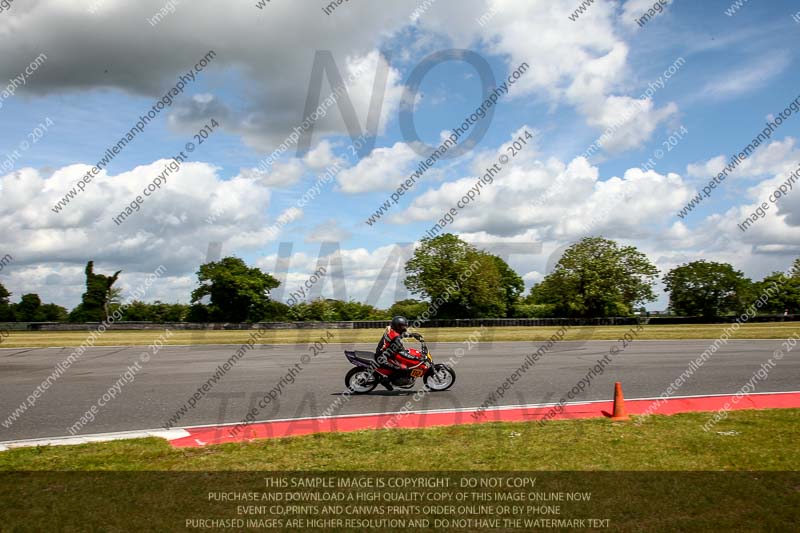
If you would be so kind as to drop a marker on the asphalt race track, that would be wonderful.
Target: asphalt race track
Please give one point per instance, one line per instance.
(165, 383)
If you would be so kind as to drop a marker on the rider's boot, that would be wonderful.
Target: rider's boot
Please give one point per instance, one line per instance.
(383, 379)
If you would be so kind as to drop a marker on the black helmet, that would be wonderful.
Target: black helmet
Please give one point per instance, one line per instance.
(400, 324)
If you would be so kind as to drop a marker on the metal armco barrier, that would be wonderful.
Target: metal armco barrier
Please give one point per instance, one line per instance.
(377, 324)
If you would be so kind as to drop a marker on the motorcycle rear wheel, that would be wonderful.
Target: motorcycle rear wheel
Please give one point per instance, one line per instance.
(360, 380)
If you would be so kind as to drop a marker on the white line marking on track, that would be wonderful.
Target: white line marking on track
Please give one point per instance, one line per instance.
(177, 433)
(170, 434)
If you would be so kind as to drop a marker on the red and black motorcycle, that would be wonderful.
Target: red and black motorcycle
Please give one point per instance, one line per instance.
(368, 374)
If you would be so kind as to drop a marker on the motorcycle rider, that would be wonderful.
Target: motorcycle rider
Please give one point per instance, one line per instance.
(391, 345)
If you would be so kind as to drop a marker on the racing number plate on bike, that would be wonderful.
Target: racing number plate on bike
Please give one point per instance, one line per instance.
(417, 373)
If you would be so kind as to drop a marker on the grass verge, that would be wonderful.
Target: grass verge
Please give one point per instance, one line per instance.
(43, 339)
(746, 440)
(654, 477)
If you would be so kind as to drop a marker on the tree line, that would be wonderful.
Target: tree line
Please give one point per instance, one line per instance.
(595, 277)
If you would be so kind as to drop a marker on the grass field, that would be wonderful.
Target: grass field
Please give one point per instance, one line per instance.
(665, 475)
(746, 440)
(40, 339)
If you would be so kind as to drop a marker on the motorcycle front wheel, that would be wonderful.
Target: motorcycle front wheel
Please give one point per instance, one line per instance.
(440, 378)
(360, 380)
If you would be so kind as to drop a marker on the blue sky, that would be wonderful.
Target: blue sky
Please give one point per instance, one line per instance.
(104, 69)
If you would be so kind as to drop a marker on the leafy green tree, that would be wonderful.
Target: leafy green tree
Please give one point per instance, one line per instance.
(275, 311)
(6, 314)
(597, 277)
(529, 310)
(788, 299)
(483, 294)
(53, 313)
(707, 288)
(198, 313)
(94, 306)
(467, 280)
(155, 312)
(436, 264)
(353, 310)
(238, 293)
(114, 301)
(29, 309)
(329, 310)
(410, 308)
(4, 295)
(319, 310)
(300, 312)
(137, 311)
(512, 284)
(164, 312)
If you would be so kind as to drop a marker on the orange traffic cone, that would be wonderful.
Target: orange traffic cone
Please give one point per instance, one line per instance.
(619, 403)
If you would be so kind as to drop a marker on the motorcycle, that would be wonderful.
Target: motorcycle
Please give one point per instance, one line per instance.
(368, 374)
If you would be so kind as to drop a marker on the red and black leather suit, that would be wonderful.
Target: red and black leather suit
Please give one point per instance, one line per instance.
(391, 353)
